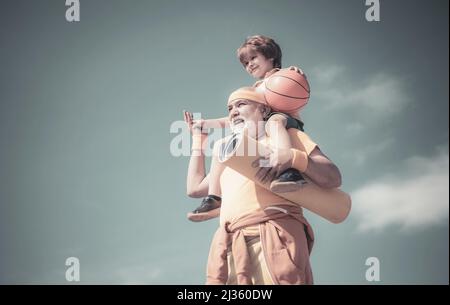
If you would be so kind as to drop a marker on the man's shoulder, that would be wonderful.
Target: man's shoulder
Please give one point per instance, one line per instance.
(300, 140)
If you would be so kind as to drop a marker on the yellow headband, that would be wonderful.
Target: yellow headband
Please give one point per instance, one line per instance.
(248, 93)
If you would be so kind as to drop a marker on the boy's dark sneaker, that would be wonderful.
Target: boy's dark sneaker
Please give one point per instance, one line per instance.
(209, 208)
(289, 181)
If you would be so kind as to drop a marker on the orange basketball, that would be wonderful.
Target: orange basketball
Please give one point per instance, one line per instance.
(286, 90)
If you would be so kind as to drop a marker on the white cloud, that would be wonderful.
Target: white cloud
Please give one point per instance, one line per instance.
(416, 198)
(382, 93)
(361, 155)
(328, 74)
(379, 94)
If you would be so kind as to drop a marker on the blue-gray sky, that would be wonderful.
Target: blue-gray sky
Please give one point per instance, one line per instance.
(86, 108)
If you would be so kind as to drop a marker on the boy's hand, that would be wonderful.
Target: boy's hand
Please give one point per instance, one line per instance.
(296, 69)
(273, 162)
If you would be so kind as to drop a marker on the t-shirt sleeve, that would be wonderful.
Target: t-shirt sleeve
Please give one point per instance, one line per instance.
(301, 141)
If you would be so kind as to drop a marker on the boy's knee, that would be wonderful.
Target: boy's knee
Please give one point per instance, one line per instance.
(276, 121)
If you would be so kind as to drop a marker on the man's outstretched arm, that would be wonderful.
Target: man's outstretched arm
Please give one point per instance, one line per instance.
(196, 181)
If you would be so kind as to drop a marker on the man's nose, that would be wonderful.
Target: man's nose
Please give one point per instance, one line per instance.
(234, 113)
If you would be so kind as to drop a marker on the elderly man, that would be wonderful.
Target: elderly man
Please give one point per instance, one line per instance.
(262, 238)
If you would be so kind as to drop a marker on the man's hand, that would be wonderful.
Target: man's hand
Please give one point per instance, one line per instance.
(195, 126)
(273, 162)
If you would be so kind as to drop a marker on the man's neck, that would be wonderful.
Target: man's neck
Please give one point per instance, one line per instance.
(261, 136)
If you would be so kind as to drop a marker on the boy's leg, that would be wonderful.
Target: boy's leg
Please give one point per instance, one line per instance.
(210, 206)
(290, 180)
(276, 130)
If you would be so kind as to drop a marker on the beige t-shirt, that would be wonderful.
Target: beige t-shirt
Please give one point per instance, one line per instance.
(241, 195)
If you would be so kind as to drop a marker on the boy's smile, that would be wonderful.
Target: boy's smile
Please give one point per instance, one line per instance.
(256, 64)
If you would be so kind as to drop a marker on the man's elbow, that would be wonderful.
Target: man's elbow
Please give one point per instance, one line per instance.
(333, 179)
(335, 182)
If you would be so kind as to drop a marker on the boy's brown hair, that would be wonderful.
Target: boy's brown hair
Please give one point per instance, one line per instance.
(264, 45)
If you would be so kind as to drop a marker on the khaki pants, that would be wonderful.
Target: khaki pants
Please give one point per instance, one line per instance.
(260, 272)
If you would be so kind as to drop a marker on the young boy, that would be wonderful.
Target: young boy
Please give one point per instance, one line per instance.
(261, 57)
